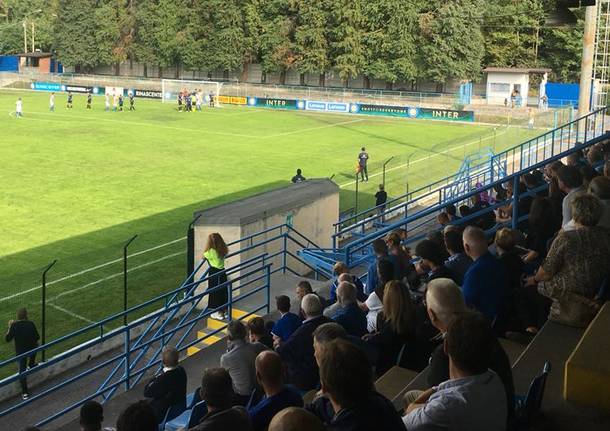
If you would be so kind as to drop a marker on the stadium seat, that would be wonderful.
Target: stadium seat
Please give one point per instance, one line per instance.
(188, 418)
(192, 399)
(527, 406)
(172, 412)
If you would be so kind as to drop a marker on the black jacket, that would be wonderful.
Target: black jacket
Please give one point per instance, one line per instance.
(25, 335)
(234, 418)
(166, 390)
(297, 354)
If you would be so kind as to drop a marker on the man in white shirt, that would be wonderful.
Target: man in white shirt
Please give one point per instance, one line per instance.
(52, 102)
(570, 182)
(19, 108)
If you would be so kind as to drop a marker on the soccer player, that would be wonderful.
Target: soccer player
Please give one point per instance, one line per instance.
(198, 96)
(363, 158)
(132, 101)
(211, 100)
(69, 102)
(89, 97)
(19, 108)
(120, 102)
(106, 102)
(52, 102)
(115, 101)
(188, 103)
(180, 102)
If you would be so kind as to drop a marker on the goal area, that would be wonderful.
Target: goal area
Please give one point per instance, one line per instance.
(170, 88)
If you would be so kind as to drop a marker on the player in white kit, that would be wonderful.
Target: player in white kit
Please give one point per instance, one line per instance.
(52, 102)
(19, 108)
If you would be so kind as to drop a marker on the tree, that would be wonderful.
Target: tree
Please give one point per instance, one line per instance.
(75, 39)
(311, 37)
(346, 38)
(277, 36)
(561, 50)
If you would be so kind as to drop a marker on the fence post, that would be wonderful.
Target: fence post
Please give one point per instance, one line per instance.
(190, 251)
(384, 165)
(356, 204)
(515, 216)
(125, 277)
(43, 317)
(285, 253)
(127, 358)
(268, 279)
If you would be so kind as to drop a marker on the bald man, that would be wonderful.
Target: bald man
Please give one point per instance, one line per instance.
(168, 388)
(278, 396)
(295, 419)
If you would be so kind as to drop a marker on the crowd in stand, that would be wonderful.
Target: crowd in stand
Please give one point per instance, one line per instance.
(442, 305)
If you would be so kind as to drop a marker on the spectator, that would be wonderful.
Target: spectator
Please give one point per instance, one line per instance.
(607, 168)
(257, 330)
(278, 396)
(401, 257)
(575, 266)
(380, 251)
(331, 310)
(506, 243)
(600, 187)
(215, 252)
(570, 182)
(288, 323)
(445, 302)
(458, 261)
(168, 388)
(587, 173)
(484, 284)
(396, 326)
(473, 398)
(298, 178)
(138, 416)
(381, 198)
(325, 334)
(92, 416)
(543, 224)
(239, 361)
(431, 261)
(486, 220)
(443, 219)
(451, 212)
(437, 237)
(374, 303)
(297, 352)
(349, 315)
(350, 401)
(295, 419)
(304, 288)
(340, 269)
(23, 331)
(217, 391)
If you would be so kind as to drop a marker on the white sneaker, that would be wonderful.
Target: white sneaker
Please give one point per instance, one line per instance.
(217, 316)
(25, 396)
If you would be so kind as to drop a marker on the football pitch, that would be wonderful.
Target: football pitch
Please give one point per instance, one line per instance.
(77, 184)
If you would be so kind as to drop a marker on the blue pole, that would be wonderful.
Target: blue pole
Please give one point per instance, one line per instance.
(515, 218)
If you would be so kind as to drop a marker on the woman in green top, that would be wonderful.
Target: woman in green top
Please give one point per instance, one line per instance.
(215, 251)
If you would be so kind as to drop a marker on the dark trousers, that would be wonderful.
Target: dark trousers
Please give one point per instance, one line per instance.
(23, 364)
(220, 297)
(364, 173)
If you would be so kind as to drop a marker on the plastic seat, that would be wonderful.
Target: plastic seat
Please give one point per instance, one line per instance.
(188, 418)
(172, 412)
(526, 407)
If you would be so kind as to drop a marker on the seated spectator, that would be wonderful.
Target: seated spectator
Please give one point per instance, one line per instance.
(484, 221)
(442, 219)
(168, 388)
(374, 303)
(331, 310)
(403, 267)
(239, 361)
(278, 396)
(257, 331)
(217, 391)
(542, 226)
(575, 266)
(485, 282)
(465, 211)
(445, 302)
(438, 238)
(297, 352)
(349, 315)
(570, 182)
(451, 212)
(304, 288)
(458, 261)
(288, 323)
(331, 331)
(295, 419)
(380, 251)
(396, 326)
(92, 416)
(349, 400)
(506, 247)
(341, 272)
(473, 398)
(138, 416)
(431, 261)
(600, 187)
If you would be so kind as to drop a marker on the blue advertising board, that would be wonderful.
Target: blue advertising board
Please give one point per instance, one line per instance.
(46, 86)
(315, 105)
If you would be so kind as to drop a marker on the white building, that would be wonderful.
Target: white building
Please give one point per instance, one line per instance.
(510, 86)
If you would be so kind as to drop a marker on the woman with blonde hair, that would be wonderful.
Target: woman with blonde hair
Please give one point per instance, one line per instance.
(215, 252)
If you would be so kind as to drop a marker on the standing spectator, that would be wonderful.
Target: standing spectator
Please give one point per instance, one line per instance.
(26, 337)
(458, 261)
(257, 331)
(473, 398)
(374, 303)
(92, 416)
(297, 352)
(363, 159)
(380, 251)
(431, 261)
(350, 401)
(381, 198)
(570, 182)
(168, 388)
(298, 178)
(400, 256)
(239, 361)
(576, 265)
(349, 315)
(484, 284)
(217, 391)
(138, 416)
(278, 396)
(288, 322)
(215, 252)
(295, 419)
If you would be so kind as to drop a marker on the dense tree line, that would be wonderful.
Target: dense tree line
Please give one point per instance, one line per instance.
(390, 40)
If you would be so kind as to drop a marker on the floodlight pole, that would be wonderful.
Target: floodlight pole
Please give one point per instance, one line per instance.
(586, 65)
(43, 317)
(384, 165)
(125, 278)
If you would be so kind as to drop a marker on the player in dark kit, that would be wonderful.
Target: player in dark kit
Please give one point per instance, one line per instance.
(89, 97)
(120, 102)
(179, 102)
(188, 103)
(363, 158)
(69, 102)
(132, 101)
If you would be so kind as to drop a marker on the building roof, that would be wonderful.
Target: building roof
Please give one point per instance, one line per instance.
(516, 70)
(36, 54)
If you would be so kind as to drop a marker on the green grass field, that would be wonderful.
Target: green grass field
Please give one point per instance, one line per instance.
(77, 184)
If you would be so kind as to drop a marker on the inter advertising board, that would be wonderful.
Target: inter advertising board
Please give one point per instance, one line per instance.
(445, 114)
(269, 102)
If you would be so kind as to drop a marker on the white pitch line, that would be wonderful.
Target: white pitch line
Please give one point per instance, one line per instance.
(422, 159)
(313, 128)
(70, 313)
(84, 271)
(118, 274)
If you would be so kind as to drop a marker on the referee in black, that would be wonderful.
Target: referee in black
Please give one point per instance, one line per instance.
(25, 335)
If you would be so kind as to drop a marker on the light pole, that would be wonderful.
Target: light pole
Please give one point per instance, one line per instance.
(25, 31)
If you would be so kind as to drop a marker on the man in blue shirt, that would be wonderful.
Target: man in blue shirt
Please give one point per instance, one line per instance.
(349, 315)
(485, 282)
(288, 323)
(269, 373)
